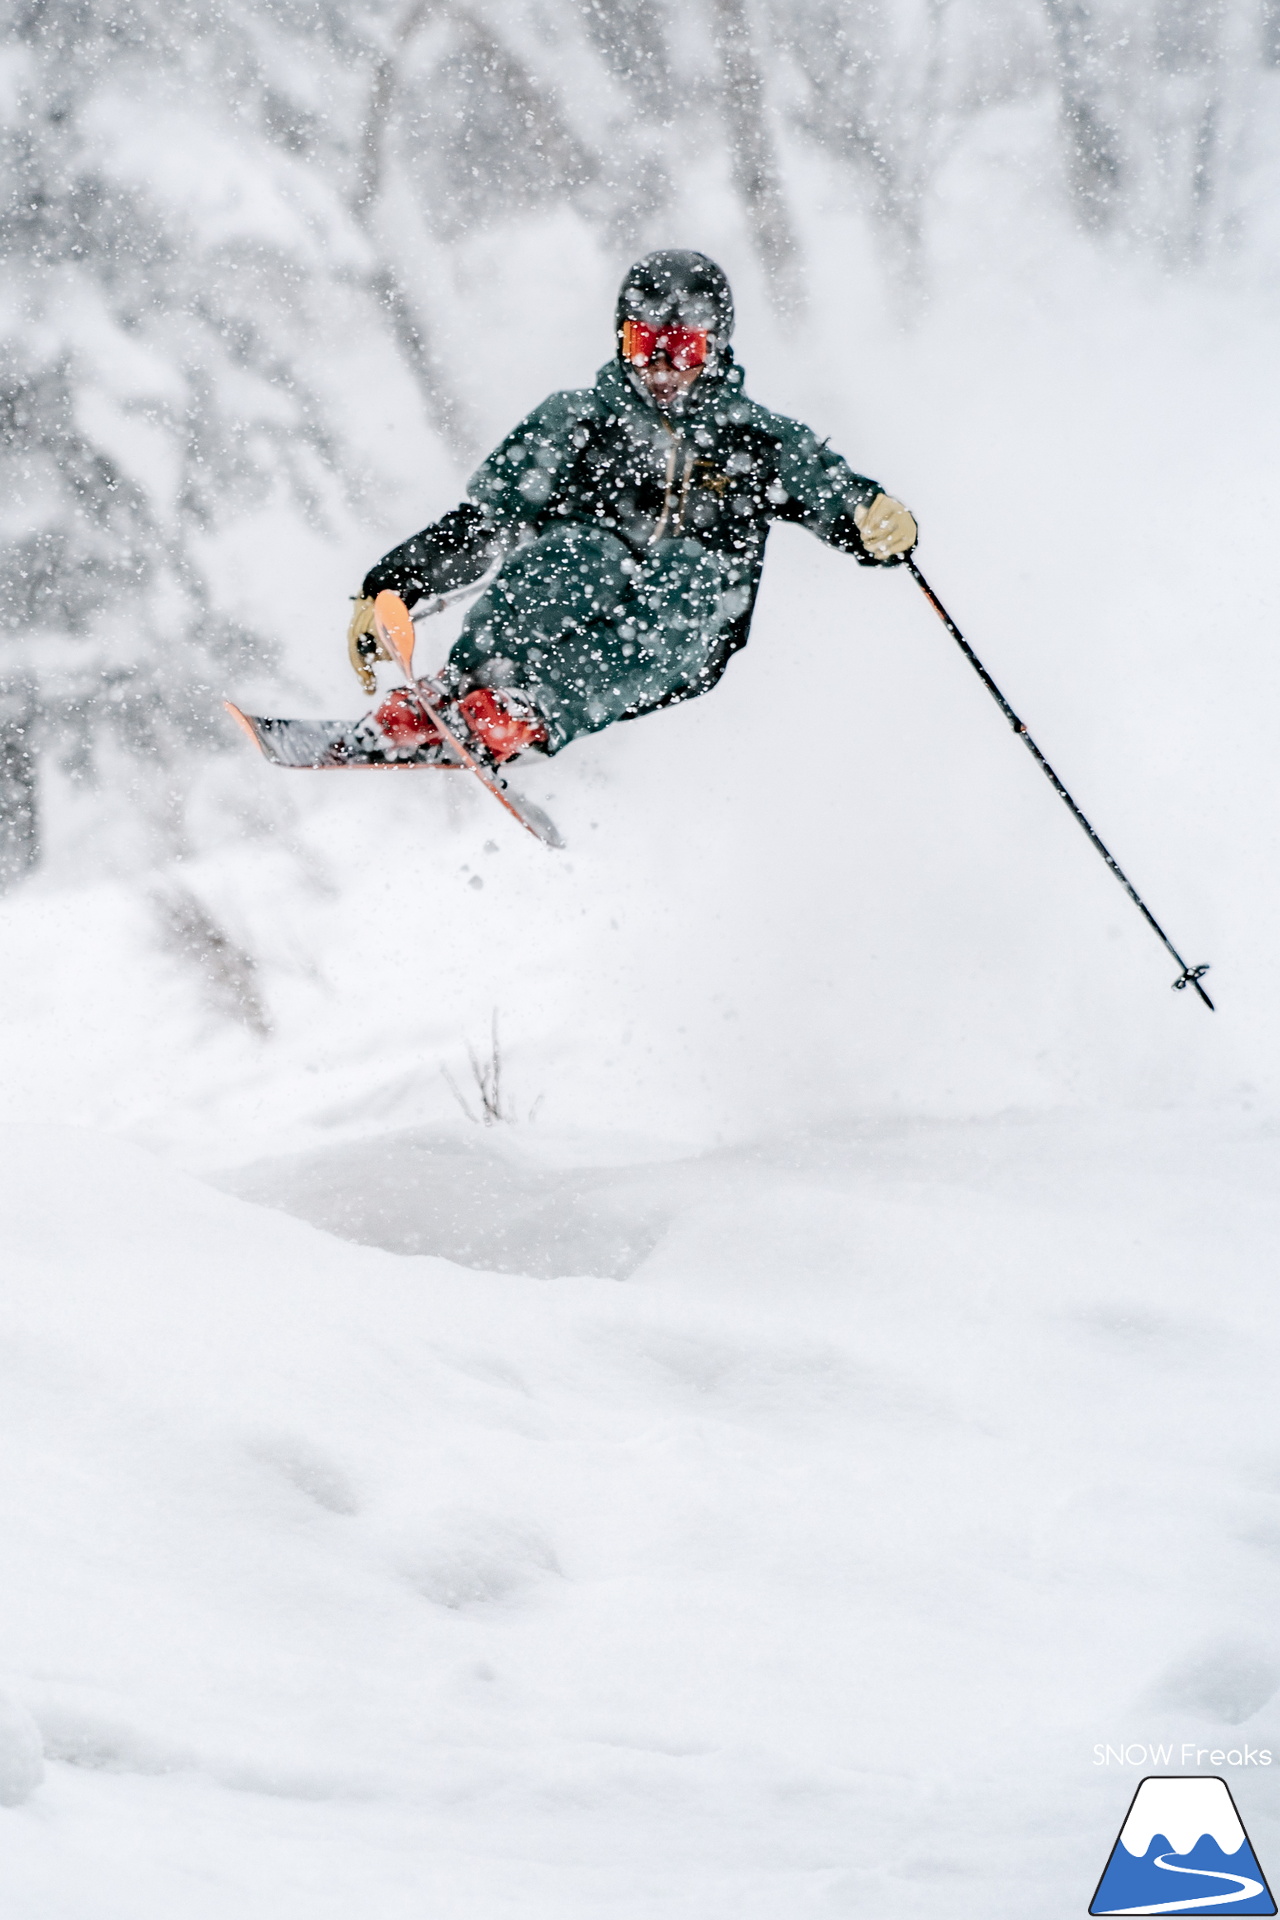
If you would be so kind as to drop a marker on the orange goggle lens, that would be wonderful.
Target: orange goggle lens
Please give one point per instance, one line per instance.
(685, 347)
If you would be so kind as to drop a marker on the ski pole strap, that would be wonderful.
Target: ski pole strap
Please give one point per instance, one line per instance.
(1189, 976)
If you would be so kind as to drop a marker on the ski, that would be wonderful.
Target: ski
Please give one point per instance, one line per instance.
(394, 628)
(531, 818)
(325, 743)
(330, 744)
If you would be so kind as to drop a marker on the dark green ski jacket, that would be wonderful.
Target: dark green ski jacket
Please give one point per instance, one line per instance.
(680, 505)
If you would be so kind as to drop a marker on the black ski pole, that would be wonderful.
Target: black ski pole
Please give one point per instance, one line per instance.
(1190, 976)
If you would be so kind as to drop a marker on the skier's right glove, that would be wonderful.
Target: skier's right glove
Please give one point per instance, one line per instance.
(363, 645)
(887, 528)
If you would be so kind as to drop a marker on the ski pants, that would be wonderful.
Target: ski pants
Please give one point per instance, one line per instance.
(591, 632)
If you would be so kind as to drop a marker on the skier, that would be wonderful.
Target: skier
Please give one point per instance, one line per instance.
(630, 519)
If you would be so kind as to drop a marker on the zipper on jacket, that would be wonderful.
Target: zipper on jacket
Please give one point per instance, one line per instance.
(685, 484)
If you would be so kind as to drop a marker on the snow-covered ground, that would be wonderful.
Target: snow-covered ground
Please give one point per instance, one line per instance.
(752, 1480)
(797, 1572)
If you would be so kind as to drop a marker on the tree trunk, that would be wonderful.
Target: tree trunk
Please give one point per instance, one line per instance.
(755, 165)
(444, 409)
(1093, 145)
(1271, 33)
(19, 819)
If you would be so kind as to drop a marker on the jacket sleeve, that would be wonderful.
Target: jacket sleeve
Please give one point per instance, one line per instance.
(510, 493)
(521, 481)
(451, 553)
(817, 489)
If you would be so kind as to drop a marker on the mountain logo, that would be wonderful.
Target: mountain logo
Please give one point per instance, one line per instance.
(1183, 1849)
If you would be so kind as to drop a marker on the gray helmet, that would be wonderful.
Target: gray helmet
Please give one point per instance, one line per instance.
(675, 288)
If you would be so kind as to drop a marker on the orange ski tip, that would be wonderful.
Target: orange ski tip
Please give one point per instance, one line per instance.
(395, 628)
(243, 720)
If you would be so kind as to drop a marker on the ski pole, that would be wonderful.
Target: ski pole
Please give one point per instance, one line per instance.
(444, 600)
(1190, 976)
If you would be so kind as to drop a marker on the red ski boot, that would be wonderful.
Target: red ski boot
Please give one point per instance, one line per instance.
(503, 723)
(402, 725)
(495, 727)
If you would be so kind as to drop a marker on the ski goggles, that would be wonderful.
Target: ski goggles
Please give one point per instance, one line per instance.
(685, 347)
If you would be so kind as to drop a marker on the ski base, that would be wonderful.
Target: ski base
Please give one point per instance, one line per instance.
(325, 743)
(314, 745)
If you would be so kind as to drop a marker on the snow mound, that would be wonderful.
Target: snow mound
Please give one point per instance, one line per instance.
(342, 1580)
(21, 1754)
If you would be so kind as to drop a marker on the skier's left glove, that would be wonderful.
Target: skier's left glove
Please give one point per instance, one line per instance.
(363, 644)
(886, 527)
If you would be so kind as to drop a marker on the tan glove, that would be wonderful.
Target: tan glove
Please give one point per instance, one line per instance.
(886, 527)
(363, 644)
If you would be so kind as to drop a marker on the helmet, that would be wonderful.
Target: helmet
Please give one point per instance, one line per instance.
(675, 288)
